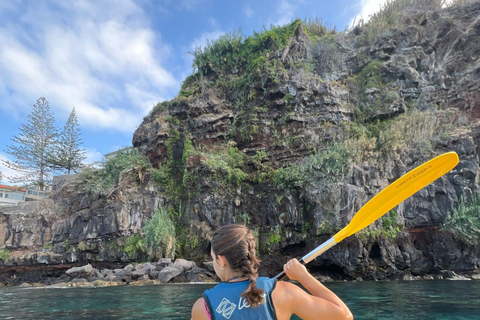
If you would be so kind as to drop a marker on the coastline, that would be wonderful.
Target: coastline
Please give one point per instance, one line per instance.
(167, 271)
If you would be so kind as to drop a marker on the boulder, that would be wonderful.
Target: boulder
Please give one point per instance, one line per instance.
(184, 265)
(209, 266)
(81, 272)
(197, 274)
(138, 274)
(129, 268)
(164, 262)
(168, 274)
(120, 272)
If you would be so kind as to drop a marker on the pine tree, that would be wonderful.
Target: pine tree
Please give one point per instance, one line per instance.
(35, 142)
(68, 155)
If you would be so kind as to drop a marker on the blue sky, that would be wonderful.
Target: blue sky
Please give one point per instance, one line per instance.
(113, 60)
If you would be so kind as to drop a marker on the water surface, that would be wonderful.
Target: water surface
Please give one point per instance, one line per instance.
(439, 300)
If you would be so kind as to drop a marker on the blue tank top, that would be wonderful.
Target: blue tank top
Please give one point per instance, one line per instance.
(224, 301)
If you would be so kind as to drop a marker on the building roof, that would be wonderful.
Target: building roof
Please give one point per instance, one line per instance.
(2, 186)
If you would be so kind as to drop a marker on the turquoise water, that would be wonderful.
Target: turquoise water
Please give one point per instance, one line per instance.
(424, 300)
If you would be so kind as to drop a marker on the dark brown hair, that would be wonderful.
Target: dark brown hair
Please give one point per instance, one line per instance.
(237, 244)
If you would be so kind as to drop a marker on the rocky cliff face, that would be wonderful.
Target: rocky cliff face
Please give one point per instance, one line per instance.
(72, 228)
(350, 117)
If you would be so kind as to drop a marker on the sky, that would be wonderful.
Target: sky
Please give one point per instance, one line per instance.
(114, 60)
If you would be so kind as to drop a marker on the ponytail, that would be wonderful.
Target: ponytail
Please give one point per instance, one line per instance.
(237, 244)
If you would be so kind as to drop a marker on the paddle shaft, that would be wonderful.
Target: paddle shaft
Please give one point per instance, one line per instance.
(311, 255)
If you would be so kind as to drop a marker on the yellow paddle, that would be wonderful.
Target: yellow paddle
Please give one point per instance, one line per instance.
(388, 198)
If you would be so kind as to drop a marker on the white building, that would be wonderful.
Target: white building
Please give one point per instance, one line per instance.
(11, 196)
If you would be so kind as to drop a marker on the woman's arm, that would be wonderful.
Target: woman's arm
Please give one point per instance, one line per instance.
(198, 310)
(289, 299)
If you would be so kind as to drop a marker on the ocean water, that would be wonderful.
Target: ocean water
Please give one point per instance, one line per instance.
(439, 300)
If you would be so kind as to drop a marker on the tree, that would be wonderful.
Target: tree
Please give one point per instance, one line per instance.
(35, 142)
(68, 155)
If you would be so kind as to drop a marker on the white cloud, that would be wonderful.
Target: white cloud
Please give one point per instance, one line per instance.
(100, 57)
(192, 4)
(92, 156)
(366, 8)
(248, 12)
(286, 12)
(6, 172)
(201, 42)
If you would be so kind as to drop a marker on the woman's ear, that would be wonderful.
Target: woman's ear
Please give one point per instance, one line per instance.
(223, 261)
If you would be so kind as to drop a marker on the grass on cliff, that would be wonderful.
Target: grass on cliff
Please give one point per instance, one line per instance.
(99, 181)
(377, 144)
(388, 17)
(234, 53)
(159, 231)
(227, 164)
(464, 220)
(327, 165)
(389, 228)
(4, 254)
(239, 61)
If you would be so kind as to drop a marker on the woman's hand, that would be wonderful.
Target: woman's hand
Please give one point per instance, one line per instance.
(295, 270)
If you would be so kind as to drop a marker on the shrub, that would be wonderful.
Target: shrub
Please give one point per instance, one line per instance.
(389, 229)
(98, 181)
(326, 57)
(227, 164)
(327, 165)
(4, 254)
(134, 245)
(465, 219)
(160, 234)
(371, 76)
(246, 57)
(317, 28)
(388, 17)
(414, 130)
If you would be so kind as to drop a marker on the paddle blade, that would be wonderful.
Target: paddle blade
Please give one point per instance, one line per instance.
(398, 191)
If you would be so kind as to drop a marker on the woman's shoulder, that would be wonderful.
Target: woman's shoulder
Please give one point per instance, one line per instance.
(285, 290)
(199, 311)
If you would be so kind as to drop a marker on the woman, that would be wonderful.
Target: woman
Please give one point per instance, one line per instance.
(242, 295)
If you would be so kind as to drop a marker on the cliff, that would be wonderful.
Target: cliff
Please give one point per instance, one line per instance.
(291, 131)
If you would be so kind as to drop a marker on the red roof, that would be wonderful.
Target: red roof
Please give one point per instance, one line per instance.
(2, 186)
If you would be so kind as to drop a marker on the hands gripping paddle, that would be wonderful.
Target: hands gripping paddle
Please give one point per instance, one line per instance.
(388, 198)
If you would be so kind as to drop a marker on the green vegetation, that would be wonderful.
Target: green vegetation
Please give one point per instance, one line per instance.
(381, 96)
(316, 28)
(134, 245)
(159, 232)
(465, 219)
(389, 230)
(99, 181)
(82, 246)
(4, 254)
(172, 174)
(371, 76)
(412, 131)
(328, 165)
(48, 246)
(269, 240)
(66, 245)
(325, 54)
(227, 163)
(233, 53)
(389, 17)
(186, 240)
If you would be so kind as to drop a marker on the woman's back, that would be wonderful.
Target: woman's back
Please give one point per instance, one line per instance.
(242, 295)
